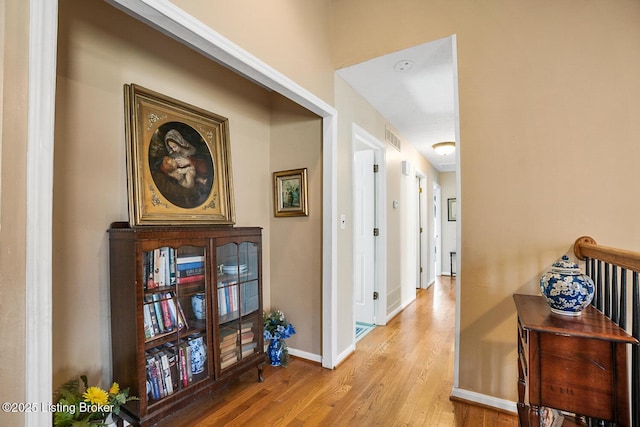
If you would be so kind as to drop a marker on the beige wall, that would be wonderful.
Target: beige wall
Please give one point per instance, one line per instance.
(14, 48)
(548, 99)
(291, 36)
(100, 49)
(296, 242)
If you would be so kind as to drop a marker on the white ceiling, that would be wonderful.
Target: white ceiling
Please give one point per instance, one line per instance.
(418, 102)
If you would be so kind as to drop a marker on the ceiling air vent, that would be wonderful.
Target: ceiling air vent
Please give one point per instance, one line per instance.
(392, 138)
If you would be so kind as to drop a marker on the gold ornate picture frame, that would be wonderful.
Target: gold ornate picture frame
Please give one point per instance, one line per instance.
(290, 193)
(178, 162)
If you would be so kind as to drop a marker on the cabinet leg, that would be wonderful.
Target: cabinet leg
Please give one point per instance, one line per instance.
(260, 369)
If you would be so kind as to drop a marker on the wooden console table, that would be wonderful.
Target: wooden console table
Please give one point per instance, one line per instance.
(575, 364)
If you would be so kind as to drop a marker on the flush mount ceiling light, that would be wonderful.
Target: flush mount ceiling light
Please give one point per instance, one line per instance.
(404, 65)
(444, 148)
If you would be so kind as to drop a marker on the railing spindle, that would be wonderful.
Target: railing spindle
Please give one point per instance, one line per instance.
(612, 299)
(607, 291)
(598, 296)
(615, 302)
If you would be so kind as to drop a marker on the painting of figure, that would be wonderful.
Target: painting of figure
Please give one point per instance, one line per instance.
(181, 164)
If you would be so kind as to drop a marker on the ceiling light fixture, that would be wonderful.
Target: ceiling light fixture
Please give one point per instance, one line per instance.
(444, 148)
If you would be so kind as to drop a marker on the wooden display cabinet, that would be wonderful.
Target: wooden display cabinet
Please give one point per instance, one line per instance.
(186, 313)
(574, 364)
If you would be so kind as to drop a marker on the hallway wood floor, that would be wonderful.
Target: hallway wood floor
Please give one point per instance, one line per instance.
(400, 375)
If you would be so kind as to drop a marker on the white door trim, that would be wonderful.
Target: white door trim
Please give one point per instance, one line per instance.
(43, 36)
(361, 136)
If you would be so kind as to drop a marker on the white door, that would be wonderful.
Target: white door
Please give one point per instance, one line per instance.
(364, 244)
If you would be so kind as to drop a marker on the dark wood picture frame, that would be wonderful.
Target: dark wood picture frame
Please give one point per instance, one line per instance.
(178, 162)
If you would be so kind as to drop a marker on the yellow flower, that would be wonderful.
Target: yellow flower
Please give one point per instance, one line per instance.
(96, 395)
(115, 388)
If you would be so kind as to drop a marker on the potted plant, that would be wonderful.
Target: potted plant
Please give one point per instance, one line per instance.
(93, 407)
(276, 330)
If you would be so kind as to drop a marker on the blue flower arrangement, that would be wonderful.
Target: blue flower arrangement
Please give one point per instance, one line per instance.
(276, 330)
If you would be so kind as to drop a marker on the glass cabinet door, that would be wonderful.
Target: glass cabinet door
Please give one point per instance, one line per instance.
(175, 319)
(238, 300)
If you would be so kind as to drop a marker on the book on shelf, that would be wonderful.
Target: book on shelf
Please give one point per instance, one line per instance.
(249, 347)
(159, 268)
(190, 279)
(246, 337)
(148, 323)
(229, 362)
(189, 259)
(166, 374)
(162, 313)
(190, 272)
(163, 371)
(227, 299)
(156, 312)
(228, 334)
(190, 265)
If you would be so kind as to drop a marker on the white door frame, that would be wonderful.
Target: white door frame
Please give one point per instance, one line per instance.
(176, 23)
(362, 138)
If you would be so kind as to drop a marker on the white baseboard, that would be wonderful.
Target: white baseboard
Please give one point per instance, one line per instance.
(395, 312)
(305, 355)
(348, 351)
(483, 399)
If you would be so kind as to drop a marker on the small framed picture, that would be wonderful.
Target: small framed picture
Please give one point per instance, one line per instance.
(452, 209)
(290, 193)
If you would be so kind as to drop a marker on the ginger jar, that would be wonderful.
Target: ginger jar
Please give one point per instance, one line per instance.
(566, 289)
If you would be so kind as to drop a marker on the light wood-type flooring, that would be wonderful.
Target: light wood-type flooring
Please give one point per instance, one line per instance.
(400, 375)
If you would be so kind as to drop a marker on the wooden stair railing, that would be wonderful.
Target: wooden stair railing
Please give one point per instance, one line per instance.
(613, 271)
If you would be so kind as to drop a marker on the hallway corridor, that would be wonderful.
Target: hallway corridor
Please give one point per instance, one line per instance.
(400, 374)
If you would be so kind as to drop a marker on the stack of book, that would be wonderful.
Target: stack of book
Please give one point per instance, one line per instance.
(228, 347)
(248, 339)
(162, 314)
(190, 269)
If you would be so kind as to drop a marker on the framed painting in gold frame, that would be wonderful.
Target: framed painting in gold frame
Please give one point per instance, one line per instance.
(178, 162)
(290, 193)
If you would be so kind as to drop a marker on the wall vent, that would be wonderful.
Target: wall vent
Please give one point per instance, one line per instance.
(392, 138)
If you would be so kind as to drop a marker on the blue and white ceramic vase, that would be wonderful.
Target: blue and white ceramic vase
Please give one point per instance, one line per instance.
(275, 351)
(567, 290)
(198, 355)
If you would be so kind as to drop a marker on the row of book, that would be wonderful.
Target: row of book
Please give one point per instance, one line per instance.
(169, 368)
(162, 314)
(227, 300)
(229, 304)
(230, 350)
(164, 267)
